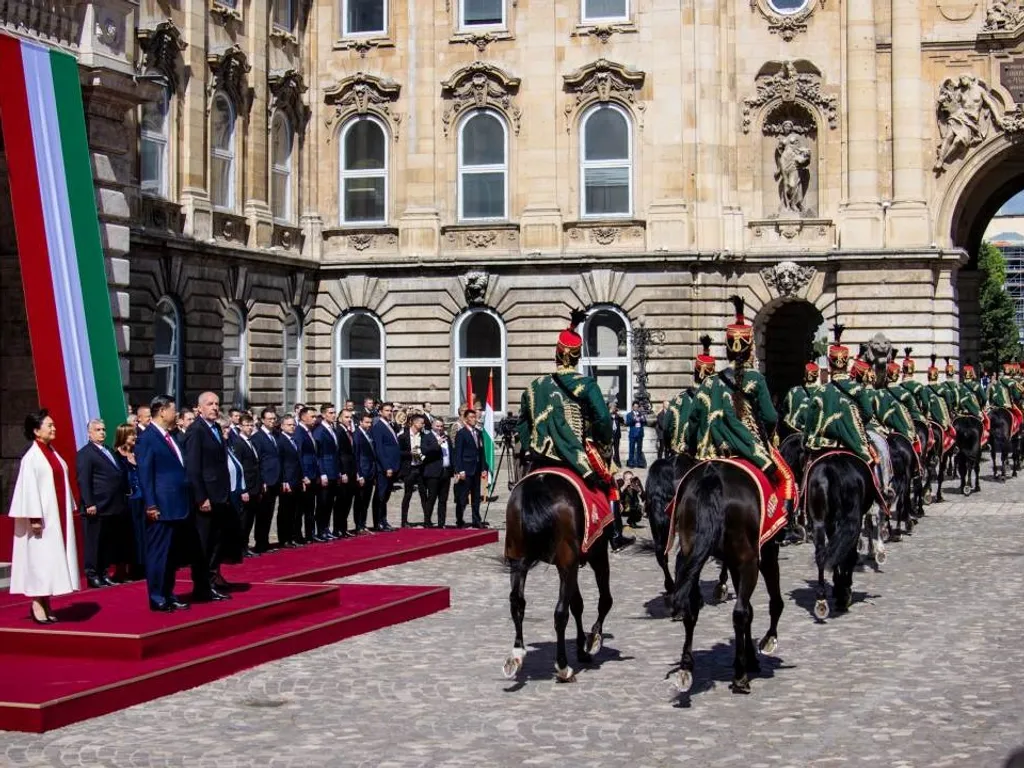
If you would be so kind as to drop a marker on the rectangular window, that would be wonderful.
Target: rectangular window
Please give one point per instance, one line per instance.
(154, 149)
(280, 194)
(283, 14)
(604, 10)
(364, 17)
(483, 195)
(607, 191)
(222, 195)
(483, 13)
(364, 200)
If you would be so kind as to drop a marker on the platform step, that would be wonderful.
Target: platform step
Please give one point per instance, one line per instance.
(116, 623)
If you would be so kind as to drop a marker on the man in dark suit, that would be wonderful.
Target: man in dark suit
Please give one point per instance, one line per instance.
(310, 471)
(206, 464)
(327, 447)
(470, 470)
(347, 486)
(437, 473)
(415, 444)
(165, 492)
(241, 444)
(289, 524)
(366, 470)
(389, 461)
(616, 433)
(264, 440)
(636, 421)
(103, 488)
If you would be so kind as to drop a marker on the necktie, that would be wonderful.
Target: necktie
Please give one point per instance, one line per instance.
(170, 444)
(109, 455)
(216, 431)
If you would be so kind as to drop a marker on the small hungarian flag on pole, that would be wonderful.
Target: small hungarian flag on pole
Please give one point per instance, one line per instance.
(489, 433)
(469, 388)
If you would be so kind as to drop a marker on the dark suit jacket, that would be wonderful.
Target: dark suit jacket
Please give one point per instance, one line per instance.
(307, 453)
(433, 459)
(206, 463)
(427, 443)
(101, 483)
(162, 476)
(246, 455)
(270, 457)
(385, 445)
(467, 457)
(327, 446)
(291, 462)
(346, 454)
(366, 464)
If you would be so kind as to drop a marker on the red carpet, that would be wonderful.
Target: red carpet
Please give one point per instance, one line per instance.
(109, 651)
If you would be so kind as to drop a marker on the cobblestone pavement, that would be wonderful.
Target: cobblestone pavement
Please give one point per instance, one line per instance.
(926, 670)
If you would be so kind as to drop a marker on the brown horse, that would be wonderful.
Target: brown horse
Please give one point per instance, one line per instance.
(545, 523)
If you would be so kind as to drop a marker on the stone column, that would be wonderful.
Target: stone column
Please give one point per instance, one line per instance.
(191, 139)
(256, 162)
(706, 34)
(861, 218)
(907, 221)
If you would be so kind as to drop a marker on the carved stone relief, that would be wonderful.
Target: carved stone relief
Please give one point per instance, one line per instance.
(229, 69)
(796, 81)
(786, 25)
(362, 94)
(466, 238)
(161, 51)
(475, 288)
(1003, 15)
(603, 81)
(286, 89)
(787, 278)
(480, 85)
(968, 111)
(790, 152)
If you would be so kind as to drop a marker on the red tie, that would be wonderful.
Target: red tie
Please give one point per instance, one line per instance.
(170, 444)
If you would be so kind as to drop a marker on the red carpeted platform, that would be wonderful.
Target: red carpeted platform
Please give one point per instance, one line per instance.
(109, 651)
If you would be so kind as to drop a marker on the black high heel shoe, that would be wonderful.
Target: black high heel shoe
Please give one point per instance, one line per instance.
(36, 619)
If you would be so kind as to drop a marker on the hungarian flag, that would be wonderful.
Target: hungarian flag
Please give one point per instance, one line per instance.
(489, 433)
(469, 388)
(70, 327)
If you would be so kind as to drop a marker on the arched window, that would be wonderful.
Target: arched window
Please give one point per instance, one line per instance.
(167, 349)
(483, 167)
(281, 168)
(359, 358)
(788, 6)
(222, 153)
(478, 338)
(364, 172)
(292, 359)
(606, 162)
(236, 375)
(155, 129)
(607, 354)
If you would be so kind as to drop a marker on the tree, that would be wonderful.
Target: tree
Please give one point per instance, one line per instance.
(1000, 337)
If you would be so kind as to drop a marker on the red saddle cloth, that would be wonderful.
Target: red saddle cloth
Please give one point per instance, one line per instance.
(598, 508)
(948, 436)
(1017, 419)
(773, 513)
(986, 429)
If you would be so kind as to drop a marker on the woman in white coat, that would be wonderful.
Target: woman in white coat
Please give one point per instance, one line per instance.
(45, 559)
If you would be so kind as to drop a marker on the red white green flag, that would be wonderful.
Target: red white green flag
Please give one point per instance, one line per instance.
(71, 329)
(489, 433)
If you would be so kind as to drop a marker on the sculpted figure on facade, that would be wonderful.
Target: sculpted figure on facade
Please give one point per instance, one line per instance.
(1003, 14)
(966, 114)
(787, 277)
(476, 288)
(792, 169)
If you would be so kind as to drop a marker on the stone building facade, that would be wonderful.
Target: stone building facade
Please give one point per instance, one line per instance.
(335, 198)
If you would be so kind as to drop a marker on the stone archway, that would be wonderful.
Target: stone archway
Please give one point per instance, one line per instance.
(788, 333)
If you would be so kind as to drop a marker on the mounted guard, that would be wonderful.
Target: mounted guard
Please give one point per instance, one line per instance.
(799, 397)
(682, 404)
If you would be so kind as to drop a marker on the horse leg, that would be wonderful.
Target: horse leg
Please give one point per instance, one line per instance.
(977, 474)
(721, 593)
(567, 587)
(670, 587)
(691, 608)
(769, 566)
(820, 544)
(517, 606)
(961, 466)
(576, 607)
(602, 575)
(744, 579)
(943, 459)
(843, 583)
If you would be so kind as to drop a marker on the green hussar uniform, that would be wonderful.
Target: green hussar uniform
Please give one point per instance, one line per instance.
(836, 416)
(933, 405)
(798, 398)
(892, 414)
(973, 387)
(971, 398)
(901, 393)
(950, 390)
(681, 405)
(999, 394)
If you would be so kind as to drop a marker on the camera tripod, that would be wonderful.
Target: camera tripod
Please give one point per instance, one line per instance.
(507, 450)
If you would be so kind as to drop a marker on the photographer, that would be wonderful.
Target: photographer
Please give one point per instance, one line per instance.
(631, 496)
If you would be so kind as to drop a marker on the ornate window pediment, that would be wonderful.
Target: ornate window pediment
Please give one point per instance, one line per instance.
(362, 94)
(161, 50)
(476, 86)
(604, 81)
(786, 18)
(229, 69)
(286, 89)
(781, 82)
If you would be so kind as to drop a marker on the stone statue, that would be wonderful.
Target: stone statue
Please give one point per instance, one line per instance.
(476, 288)
(787, 277)
(877, 355)
(966, 112)
(1003, 14)
(792, 169)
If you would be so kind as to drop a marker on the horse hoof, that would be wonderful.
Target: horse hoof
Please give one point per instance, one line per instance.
(566, 675)
(596, 643)
(880, 557)
(511, 667)
(821, 610)
(677, 617)
(967, 490)
(740, 687)
(721, 593)
(770, 645)
(684, 680)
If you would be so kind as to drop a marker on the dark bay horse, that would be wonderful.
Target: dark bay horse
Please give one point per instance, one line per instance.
(905, 475)
(839, 493)
(1000, 443)
(968, 456)
(718, 513)
(545, 523)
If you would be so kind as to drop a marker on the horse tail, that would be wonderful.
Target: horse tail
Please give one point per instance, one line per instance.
(658, 492)
(848, 514)
(530, 523)
(707, 505)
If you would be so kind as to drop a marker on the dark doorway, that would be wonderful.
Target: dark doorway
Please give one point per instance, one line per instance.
(789, 344)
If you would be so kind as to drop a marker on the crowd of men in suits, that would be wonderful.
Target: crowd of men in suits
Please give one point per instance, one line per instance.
(209, 486)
